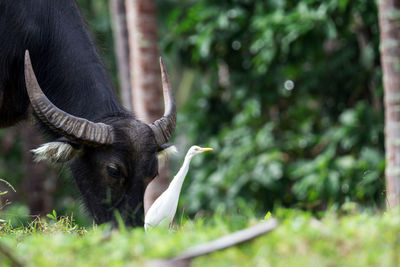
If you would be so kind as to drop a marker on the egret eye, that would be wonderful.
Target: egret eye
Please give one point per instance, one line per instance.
(113, 171)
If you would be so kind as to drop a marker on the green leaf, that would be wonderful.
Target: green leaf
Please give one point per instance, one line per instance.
(268, 216)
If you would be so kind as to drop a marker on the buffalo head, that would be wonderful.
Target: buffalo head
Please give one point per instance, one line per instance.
(111, 158)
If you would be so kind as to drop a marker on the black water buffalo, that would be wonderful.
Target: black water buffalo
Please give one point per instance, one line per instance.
(109, 151)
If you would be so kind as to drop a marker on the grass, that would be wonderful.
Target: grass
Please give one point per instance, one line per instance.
(358, 239)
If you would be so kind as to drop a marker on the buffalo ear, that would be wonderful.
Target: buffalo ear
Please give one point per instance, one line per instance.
(59, 151)
(164, 151)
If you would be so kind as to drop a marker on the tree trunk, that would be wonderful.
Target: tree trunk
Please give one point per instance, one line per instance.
(121, 39)
(389, 20)
(145, 70)
(145, 76)
(36, 186)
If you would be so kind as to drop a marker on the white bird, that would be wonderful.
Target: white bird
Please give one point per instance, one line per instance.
(163, 210)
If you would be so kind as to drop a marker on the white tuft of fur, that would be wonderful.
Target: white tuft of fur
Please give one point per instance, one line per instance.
(163, 154)
(54, 152)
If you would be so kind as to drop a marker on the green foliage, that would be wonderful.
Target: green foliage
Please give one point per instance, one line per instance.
(360, 239)
(52, 216)
(290, 98)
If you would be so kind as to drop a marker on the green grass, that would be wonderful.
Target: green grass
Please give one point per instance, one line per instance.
(358, 239)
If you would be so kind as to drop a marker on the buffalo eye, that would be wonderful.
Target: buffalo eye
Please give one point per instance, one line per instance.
(113, 171)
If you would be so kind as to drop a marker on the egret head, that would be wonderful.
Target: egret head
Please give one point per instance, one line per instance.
(195, 150)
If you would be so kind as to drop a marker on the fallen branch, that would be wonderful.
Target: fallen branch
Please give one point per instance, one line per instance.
(227, 241)
(7, 253)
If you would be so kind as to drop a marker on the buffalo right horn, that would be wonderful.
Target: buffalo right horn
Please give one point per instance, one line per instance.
(61, 122)
(164, 127)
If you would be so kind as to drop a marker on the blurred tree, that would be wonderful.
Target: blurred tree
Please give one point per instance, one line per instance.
(145, 71)
(146, 92)
(121, 39)
(289, 94)
(38, 185)
(389, 19)
(10, 161)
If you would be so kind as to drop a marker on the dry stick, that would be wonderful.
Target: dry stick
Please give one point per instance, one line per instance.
(221, 243)
(229, 240)
(9, 185)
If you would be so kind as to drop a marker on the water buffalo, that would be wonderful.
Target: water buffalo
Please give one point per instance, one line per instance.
(109, 151)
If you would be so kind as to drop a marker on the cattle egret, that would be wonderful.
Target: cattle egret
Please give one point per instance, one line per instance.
(163, 210)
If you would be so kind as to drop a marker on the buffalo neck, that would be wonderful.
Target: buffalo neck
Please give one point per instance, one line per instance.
(64, 57)
(82, 86)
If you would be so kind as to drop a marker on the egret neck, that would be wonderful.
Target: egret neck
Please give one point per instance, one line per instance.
(164, 208)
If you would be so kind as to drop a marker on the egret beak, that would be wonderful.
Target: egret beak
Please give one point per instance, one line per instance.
(205, 149)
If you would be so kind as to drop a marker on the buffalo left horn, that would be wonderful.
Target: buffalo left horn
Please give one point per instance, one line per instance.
(61, 122)
(164, 127)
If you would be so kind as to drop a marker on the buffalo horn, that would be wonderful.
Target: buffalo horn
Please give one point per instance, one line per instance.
(61, 122)
(164, 127)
